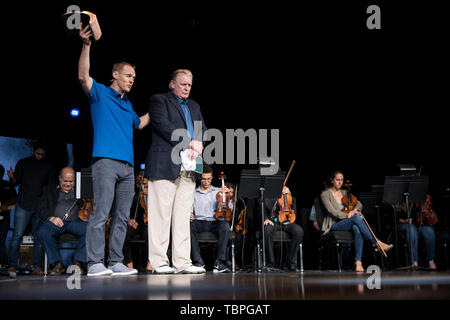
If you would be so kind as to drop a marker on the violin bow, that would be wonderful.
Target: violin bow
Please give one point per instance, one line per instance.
(234, 206)
(374, 236)
(285, 181)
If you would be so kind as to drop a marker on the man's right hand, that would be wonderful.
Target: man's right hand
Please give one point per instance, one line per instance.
(192, 217)
(268, 221)
(85, 34)
(56, 221)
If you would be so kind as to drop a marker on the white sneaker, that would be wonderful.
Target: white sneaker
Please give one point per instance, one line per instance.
(119, 269)
(193, 270)
(164, 269)
(98, 269)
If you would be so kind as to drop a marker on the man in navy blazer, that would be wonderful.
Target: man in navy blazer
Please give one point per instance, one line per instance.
(177, 124)
(166, 116)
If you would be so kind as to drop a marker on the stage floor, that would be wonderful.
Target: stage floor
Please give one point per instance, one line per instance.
(309, 285)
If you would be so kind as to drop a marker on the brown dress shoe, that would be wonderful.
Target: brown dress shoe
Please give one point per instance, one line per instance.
(57, 269)
(38, 272)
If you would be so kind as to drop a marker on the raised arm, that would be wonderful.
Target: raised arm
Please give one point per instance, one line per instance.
(83, 64)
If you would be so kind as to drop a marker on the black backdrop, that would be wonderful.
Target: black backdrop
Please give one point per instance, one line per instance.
(342, 96)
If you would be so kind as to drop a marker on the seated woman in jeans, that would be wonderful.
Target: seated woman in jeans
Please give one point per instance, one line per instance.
(422, 221)
(340, 221)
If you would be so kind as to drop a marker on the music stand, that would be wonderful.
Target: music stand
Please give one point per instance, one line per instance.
(369, 201)
(254, 185)
(408, 188)
(84, 188)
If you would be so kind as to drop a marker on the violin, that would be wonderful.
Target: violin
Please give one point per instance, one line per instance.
(426, 214)
(86, 210)
(242, 224)
(286, 214)
(142, 202)
(223, 212)
(349, 201)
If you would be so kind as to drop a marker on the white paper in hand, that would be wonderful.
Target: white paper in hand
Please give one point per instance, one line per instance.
(186, 162)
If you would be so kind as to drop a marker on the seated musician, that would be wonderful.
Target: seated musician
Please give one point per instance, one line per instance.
(137, 223)
(272, 224)
(422, 221)
(59, 211)
(203, 220)
(337, 220)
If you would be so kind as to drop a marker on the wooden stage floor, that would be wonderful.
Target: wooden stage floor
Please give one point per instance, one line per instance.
(309, 285)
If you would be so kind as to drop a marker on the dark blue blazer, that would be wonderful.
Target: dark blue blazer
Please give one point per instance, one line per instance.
(166, 116)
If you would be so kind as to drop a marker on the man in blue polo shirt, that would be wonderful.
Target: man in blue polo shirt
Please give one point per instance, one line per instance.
(113, 119)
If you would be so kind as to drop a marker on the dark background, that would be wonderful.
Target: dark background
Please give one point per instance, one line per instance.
(342, 96)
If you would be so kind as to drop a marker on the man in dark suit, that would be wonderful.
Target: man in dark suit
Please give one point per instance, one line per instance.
(177, 125)
(59, 213)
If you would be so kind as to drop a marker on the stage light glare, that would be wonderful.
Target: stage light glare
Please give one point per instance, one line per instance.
(74, 113)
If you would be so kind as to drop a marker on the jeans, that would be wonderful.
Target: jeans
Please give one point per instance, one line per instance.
(4, 227)
(428, 235)
(113, 186)
(220, 228)
(48, 232)
(360, 231)
(21, 219)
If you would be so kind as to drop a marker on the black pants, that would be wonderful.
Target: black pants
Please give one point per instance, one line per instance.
(4, 228)
(127, 245)
(220, 228)
(296, 233)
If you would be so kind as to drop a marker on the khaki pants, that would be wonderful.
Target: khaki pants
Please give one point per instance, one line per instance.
(169, 208)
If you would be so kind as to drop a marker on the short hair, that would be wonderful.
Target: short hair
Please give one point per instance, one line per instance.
(119, 66)
(39, 145)
(180, 71)
(207, 169)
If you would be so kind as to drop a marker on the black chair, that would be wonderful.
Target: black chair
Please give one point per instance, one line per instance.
(283, 237)
(66, 241)
(335, 238)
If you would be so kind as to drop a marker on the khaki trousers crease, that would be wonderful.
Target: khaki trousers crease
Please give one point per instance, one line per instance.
(169, 208)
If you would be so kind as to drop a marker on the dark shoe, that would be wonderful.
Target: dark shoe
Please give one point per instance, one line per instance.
(291, 268)
(81, 266)
(199, 264)
(220, 267)
(38, 272)
(57, 269)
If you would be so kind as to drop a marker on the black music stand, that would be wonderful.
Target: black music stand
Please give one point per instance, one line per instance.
(84, 188)
(254, 185)
(405, 189)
